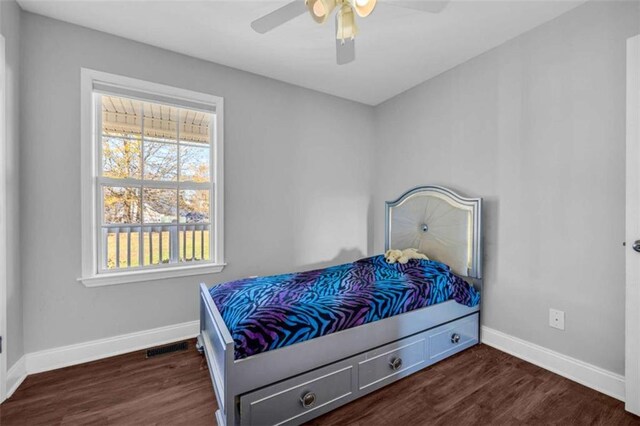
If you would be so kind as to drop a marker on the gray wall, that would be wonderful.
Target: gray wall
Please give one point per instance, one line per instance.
(297, 167)
(536, 127)
(10, 29)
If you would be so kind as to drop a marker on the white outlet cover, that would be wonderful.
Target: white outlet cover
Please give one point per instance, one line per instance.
(556, 319)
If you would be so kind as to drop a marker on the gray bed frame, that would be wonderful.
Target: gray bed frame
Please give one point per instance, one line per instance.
(296, 383)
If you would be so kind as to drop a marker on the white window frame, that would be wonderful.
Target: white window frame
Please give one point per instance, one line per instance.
(92, 275)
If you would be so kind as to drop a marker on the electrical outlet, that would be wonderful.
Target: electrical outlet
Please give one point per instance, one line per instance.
(556, 319)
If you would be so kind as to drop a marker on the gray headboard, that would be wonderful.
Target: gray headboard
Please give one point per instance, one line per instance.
(439, 223)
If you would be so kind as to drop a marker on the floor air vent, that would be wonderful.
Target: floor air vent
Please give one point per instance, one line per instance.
(161, 350)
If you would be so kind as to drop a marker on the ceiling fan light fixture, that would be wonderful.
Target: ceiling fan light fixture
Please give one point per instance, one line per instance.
(347, 28)
(364, 7)
(320, 9)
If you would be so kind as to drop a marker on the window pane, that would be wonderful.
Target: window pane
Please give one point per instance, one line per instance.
(194, 163)
(204, 243)
(193, 244)
(120, 157)
(160, 205)
(160, 122)
(160, 161)
(194, 206)
(121, 116)
(121, 205)
(160, 239)
(118, 243)
(194, 126)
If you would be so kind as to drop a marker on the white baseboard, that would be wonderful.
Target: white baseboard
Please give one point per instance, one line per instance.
(65, 356)
(602, 380)
(16, 375)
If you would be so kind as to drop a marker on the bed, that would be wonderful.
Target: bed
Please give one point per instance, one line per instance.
(288, 348)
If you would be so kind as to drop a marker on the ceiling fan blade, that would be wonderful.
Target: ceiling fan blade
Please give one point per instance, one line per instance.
(345, 51)
(279, 16)
(431, 6)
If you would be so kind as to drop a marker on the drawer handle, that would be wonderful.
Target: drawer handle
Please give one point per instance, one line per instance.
(308, 399)
(395, 363)
(455, 338)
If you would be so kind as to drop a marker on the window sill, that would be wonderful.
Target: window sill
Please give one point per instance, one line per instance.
(116, 278)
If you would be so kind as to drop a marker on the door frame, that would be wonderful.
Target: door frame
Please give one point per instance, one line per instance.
(3, 222)
(632, 299)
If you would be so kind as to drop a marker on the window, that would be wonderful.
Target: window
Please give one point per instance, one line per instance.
(152, 200)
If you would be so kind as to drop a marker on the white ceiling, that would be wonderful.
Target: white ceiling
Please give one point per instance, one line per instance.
(396, 48)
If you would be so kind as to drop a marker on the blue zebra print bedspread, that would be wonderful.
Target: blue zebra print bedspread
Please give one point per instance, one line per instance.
(267, 313)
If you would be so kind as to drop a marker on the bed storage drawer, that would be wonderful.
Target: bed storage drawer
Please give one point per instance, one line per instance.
(450, 338)
(301, 398)
(390, 362)
(291, 400)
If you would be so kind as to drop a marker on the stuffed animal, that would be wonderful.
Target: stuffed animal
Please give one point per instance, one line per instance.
(392, 256)
(411, 253)
(403, 256)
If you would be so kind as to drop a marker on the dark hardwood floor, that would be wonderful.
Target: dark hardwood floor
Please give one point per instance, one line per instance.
(479, 386)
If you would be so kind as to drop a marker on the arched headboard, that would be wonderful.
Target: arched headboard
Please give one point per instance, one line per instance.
(439, 223)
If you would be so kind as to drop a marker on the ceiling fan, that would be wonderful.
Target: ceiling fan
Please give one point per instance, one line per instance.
(346, 28)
